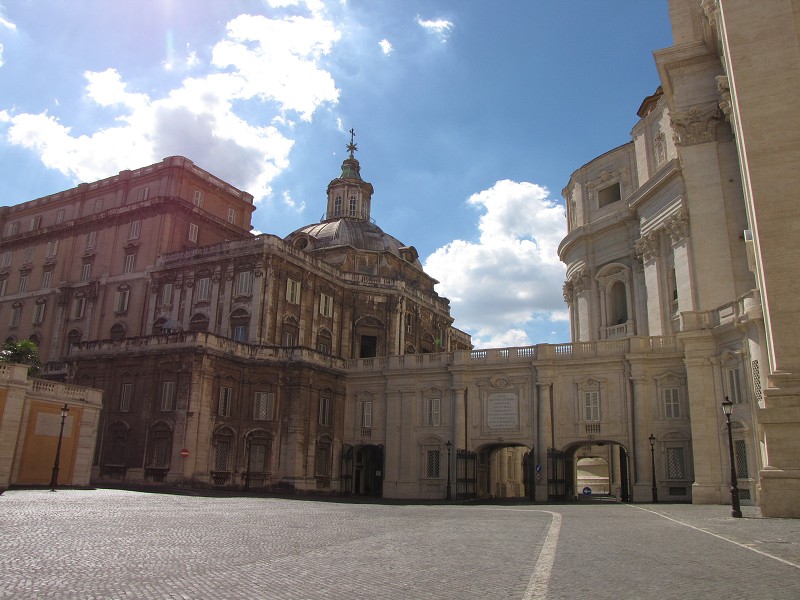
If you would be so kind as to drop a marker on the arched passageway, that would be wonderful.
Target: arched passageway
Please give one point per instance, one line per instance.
(505, 471)
(589, 469)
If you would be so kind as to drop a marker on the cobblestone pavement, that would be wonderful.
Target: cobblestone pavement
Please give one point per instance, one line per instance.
(121, 544)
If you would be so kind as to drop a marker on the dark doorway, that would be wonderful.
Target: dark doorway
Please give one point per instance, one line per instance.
(369, 346)
(368, 471)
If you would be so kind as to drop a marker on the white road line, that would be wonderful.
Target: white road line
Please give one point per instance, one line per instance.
(540, 579)
(722, 537)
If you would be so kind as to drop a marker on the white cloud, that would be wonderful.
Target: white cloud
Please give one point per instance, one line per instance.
(273, 61)
(7, 24)
(2, 62)
(511, 277)
(386, 46)
(291, 203)
(439, 27)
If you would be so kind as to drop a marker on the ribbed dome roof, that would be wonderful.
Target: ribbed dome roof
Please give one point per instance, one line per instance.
(362, 235)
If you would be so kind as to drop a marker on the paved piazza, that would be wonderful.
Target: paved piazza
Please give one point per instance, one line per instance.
(120, 544)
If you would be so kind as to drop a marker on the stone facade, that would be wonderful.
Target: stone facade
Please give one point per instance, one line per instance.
(326, 362)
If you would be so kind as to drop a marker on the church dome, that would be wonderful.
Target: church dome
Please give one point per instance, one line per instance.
(347, 220)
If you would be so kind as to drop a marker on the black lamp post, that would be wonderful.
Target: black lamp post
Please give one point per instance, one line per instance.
(449, 445)
(247, 444)
(54, 478)
(736, 511)
(654, 489)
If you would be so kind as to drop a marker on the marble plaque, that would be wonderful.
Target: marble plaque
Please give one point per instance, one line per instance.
(503, 411)
(49, 424)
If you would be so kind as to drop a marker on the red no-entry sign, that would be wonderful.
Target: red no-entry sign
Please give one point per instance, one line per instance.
(185, 453)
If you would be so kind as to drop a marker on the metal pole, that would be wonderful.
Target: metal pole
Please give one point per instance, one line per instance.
(54, 478)
(449, 446)
(247, 467)
(736, 510)
(654, 489)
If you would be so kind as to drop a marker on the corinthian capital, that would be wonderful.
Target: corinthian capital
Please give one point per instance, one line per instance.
(697, 125)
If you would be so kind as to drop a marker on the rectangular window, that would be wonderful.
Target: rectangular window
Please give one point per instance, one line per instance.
(321, 464)
(366, 414)
(198, 198)
(91, 239)
(3, 283)
(15, 228)
(292, 291)
(288, 338)
(29, 254)
(221, 457)
(352, 206)
(193, 229)
(60, 217)
(258, 458)
(98, 205)
(86, 271)
(672, 403)
(432, 463)
(129, 263)
(78, 308)
(608, 195)
(160, 457)
(52, 248)
(225, 401)
(23, 283)
(15, 314)
(734, 386)
(591, 406)
(134, 230)
(324, 411)
(325, 305)
(244, 283)
(166, 293)
(409, 323)
(121, 300)
(35, 223)
(231, 216)
(38, 313)
(203, 288)
(125, 393)
(167, 396)
(46, 277)
(6, 259)
(240, 333)
(740, 452)
(337, 206)
(143, 193)
(433, 412)
(676, 464)
(263, 406)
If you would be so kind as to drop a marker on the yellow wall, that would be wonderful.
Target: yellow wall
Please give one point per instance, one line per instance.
(39, 448)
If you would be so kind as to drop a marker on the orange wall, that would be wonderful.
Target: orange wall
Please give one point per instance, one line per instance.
(39, 450)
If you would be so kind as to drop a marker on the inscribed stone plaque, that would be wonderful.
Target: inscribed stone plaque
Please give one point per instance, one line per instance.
(50, 424)
(503, 411)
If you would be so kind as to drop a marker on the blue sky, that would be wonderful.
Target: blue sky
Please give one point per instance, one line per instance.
(469, 115)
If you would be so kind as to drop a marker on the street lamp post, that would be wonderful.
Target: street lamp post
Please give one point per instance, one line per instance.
(449, 447)
(247, 445)
(654, 489)
(54, 478)
(736, 511)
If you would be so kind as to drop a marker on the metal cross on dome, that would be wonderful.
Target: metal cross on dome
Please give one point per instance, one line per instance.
(351, 147)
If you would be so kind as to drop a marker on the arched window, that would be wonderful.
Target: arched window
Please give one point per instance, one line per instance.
(118, 332)
(199, 322)
(618, 303)
(223, 448)
(290, 335)
(158, 325)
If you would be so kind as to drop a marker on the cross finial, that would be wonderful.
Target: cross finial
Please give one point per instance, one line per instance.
(351, 147)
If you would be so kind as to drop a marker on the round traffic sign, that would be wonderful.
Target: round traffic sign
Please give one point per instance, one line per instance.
(587, 491)
(185, 453)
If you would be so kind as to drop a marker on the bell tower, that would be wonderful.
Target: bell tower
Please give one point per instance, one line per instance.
(349, 196)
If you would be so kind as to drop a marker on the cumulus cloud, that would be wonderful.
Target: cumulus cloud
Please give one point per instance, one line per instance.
(511, 277)
(386, 46)
(438, 27)
(275, 62)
